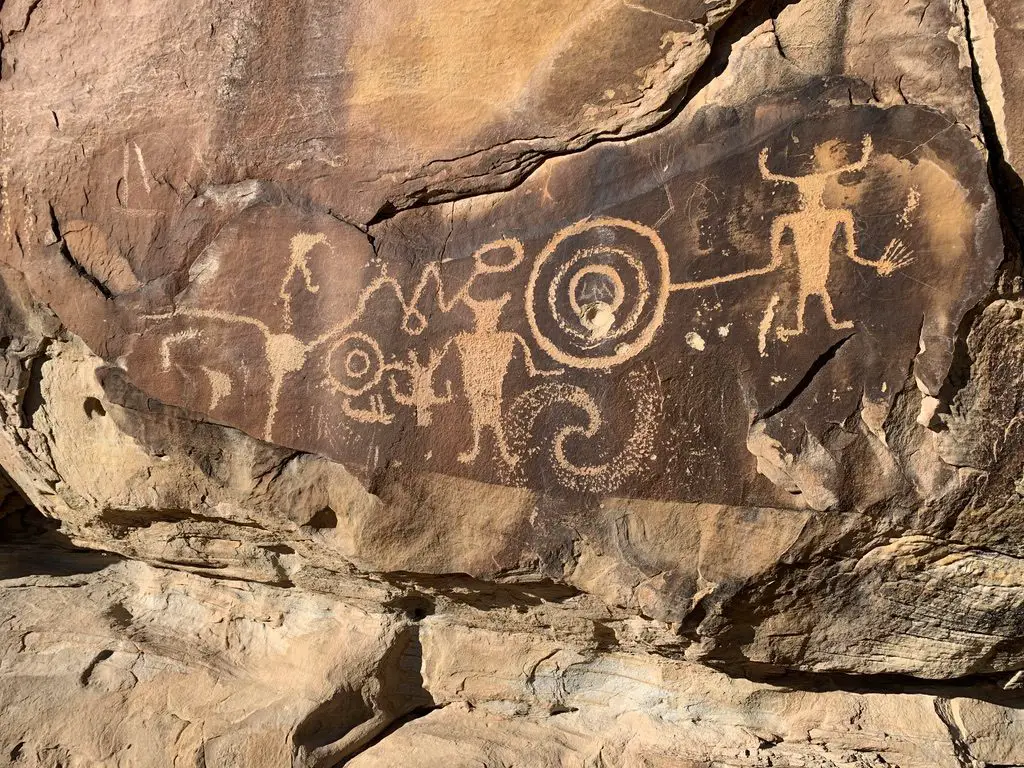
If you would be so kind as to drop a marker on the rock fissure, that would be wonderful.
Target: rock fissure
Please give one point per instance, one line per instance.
(1006, 182)
(750, 13)
(66, 254)
(805, 381)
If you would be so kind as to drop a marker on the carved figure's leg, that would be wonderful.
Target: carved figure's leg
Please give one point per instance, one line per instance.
(826, 301)
(801, 308)
(466, 457)
(499, 437)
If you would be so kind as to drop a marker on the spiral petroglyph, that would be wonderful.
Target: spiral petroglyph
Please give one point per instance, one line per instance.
(598, 291)
(586, 427)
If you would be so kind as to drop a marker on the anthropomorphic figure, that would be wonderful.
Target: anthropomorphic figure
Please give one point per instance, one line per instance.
(485, 353)
(420, 394)
(298, 261)
(813, 227)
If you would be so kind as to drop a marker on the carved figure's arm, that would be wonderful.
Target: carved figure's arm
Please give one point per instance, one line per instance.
(846, 222)
(766, 173)
(531, 368)
(779, 226)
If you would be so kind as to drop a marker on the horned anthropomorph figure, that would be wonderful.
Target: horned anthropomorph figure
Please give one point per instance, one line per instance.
(813, 227)
(486, 351)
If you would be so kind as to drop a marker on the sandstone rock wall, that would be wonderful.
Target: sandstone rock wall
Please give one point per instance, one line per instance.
(605, 383)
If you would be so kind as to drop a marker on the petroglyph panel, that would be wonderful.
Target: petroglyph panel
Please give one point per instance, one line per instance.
(728, 308)
(405, 343)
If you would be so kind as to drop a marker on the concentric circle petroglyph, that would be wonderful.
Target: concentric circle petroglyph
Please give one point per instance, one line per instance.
(598, 292)
(354, 364)
(593, 315)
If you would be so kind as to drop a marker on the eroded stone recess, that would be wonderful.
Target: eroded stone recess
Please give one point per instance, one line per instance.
(605, 383)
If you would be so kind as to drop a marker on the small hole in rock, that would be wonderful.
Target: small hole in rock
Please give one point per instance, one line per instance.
(280, 549)
(416, 607)
(323, 518)
(93, 407)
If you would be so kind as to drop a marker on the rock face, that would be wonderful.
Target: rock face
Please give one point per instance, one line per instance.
(536, 384)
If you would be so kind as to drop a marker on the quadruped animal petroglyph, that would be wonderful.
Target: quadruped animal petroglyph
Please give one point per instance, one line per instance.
(593, 299)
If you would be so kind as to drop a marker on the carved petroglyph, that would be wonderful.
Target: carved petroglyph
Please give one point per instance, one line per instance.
(913, 201)
(220, 383)
(301, 245)
(125, 195)
(596, 296)
(602, 296)
(420, 393)
(644, 389)
(485, 354)
(284, 353)
(895, 256)
(813, 227)
(598, 292)
(143, 171)
(765, 327)
(355, 365)
(169, 341)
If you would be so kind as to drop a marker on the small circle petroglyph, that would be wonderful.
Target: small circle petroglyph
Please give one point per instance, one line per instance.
(356, 364)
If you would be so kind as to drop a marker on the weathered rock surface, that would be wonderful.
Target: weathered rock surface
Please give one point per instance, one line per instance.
(537, 384)
(996, 28)
(177, 669)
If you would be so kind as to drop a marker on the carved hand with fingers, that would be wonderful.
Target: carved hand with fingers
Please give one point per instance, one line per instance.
(895, 256)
